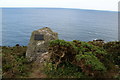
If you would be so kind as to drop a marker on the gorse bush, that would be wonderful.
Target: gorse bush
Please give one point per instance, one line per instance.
(62, 51)
(88, 57)
(14, 62)
(67, 70)
(91, 60)
(113, 48)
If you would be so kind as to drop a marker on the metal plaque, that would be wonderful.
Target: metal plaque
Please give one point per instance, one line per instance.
(39, 37)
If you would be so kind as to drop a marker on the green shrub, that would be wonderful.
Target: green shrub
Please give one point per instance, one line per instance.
(62, 51)
(113, 50)
(66, 70)
(14, 62)
(88, 58)
(92, 60)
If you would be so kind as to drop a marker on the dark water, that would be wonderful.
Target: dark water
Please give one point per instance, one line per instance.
(71, 24)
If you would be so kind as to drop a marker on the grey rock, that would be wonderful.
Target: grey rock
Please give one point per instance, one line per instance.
(39, 42)
(98, 40)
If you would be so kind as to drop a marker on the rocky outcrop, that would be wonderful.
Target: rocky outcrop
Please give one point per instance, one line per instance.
(39, 42)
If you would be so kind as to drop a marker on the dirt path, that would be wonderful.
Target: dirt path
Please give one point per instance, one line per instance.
(37, 70)
(37, 74)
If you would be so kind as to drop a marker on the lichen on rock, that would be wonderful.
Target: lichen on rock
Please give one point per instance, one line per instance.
(39, 42)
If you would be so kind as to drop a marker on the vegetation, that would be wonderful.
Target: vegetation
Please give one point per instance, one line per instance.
(69, 59)
(113, 48)
(14, 62)
(77, 59)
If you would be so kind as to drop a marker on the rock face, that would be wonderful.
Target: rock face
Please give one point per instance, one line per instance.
(39, 42)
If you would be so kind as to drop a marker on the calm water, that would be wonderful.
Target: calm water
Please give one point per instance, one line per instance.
(71, 24)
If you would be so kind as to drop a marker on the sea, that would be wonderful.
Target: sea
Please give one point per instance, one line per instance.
(70, 24)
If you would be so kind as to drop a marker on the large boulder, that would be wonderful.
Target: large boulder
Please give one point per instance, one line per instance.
(39, 42)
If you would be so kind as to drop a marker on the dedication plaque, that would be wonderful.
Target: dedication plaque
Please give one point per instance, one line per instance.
(39, 37)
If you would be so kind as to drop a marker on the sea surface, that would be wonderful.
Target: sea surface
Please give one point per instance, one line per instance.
(71, 24)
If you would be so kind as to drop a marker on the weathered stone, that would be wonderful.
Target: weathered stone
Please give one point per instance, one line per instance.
(39, 42)
(98, 40)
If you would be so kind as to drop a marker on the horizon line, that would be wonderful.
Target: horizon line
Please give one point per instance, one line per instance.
(61, 8)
